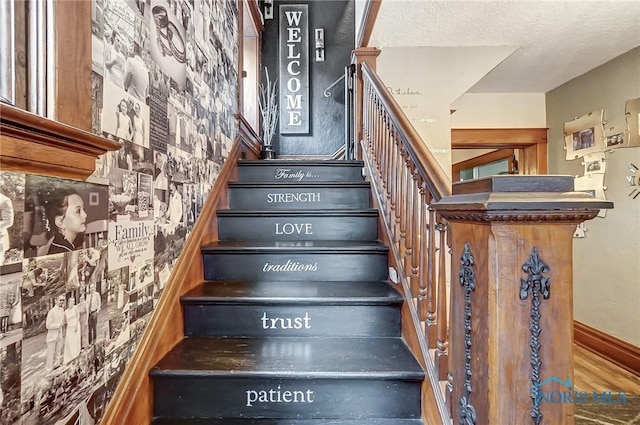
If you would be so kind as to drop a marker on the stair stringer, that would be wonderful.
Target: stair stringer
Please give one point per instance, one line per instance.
(132, 402)
(434, 407)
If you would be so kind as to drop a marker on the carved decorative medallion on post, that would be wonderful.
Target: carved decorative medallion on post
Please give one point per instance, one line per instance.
(536, 284)
(468, 280)
(502, 218)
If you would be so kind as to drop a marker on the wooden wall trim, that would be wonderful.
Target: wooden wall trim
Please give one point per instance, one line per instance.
(499, 138)
(480, 160)
(132, 402)
(248, 135)
(372, 7)
(73, 102)
(254, 9)
(34, 144)
(617, 351)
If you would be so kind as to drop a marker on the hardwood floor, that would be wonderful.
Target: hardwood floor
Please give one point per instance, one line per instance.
(593, 373)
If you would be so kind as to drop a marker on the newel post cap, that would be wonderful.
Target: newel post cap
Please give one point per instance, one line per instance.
(532, 198)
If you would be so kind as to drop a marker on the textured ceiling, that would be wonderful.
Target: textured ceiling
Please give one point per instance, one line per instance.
(556, 40)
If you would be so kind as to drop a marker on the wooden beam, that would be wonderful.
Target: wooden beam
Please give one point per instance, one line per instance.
(498, 138)
(72, 79)
(34, 144)
(480, 160)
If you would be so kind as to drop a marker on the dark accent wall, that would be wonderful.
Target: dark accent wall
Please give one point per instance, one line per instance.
(326, 132)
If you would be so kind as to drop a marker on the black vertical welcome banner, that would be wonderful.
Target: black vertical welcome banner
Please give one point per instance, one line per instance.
(294, 69)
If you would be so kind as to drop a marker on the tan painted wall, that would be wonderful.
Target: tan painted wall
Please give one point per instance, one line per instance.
(432, 80)
(499, 110)
(607, 260)
(496, 110)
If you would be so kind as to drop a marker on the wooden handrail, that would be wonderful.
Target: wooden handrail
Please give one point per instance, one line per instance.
(509, 240)
(369, 16)
(438, 183)
(406, 180)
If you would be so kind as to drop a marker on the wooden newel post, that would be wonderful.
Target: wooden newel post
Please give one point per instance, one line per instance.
(368, 55)
(511, 318)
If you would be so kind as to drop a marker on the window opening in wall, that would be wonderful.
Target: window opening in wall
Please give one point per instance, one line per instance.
(250, 67)
(489, 169)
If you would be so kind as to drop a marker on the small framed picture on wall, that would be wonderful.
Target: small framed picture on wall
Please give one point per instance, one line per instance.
(632, 112)
(584, 135)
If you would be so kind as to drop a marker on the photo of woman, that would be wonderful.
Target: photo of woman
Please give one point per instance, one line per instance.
(139, 127)
(72, 338)
(114, 58)
(73, 215)
(124, 116)
(67, 221)
(124, 126)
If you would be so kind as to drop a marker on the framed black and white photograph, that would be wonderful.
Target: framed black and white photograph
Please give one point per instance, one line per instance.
(593, 184)
(121, 159)
(10, 380)
(180, 165)
(12, 207)
(97, 92)
(594, 163)
(119, 35)
(64, 215)
(632, 113)
(584, 135)
(168, 41)
(117, 288)
(162, 263)
(11, 302)
(123, 188)
(142, 159)
(125, 116)
(201, 22)
(140, 8)
(618, 140)
(57, 306)
(97, 54)
(158, 112)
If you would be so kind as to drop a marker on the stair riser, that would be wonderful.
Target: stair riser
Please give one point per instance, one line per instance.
(299, 174)
(296, 266)
(292, 198)
(292, 228)
(289, 320)
(309, 398)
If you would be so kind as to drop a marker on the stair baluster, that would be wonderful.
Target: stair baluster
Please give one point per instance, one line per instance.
(479, 361)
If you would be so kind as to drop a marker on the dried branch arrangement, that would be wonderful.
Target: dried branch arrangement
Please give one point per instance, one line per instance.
(268, 109)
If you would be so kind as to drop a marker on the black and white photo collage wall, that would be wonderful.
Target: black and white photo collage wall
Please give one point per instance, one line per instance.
(83, 264)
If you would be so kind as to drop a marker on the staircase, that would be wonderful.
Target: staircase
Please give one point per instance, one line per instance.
(295, 322)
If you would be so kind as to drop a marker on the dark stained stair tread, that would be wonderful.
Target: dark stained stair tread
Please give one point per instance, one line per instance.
(276, 292)
(295, 322)
(298, 225)
(297, 246)
(298, 213)
(291, 358)
(242, 421)
(301, 163)
(300, 171)
(299, 185)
